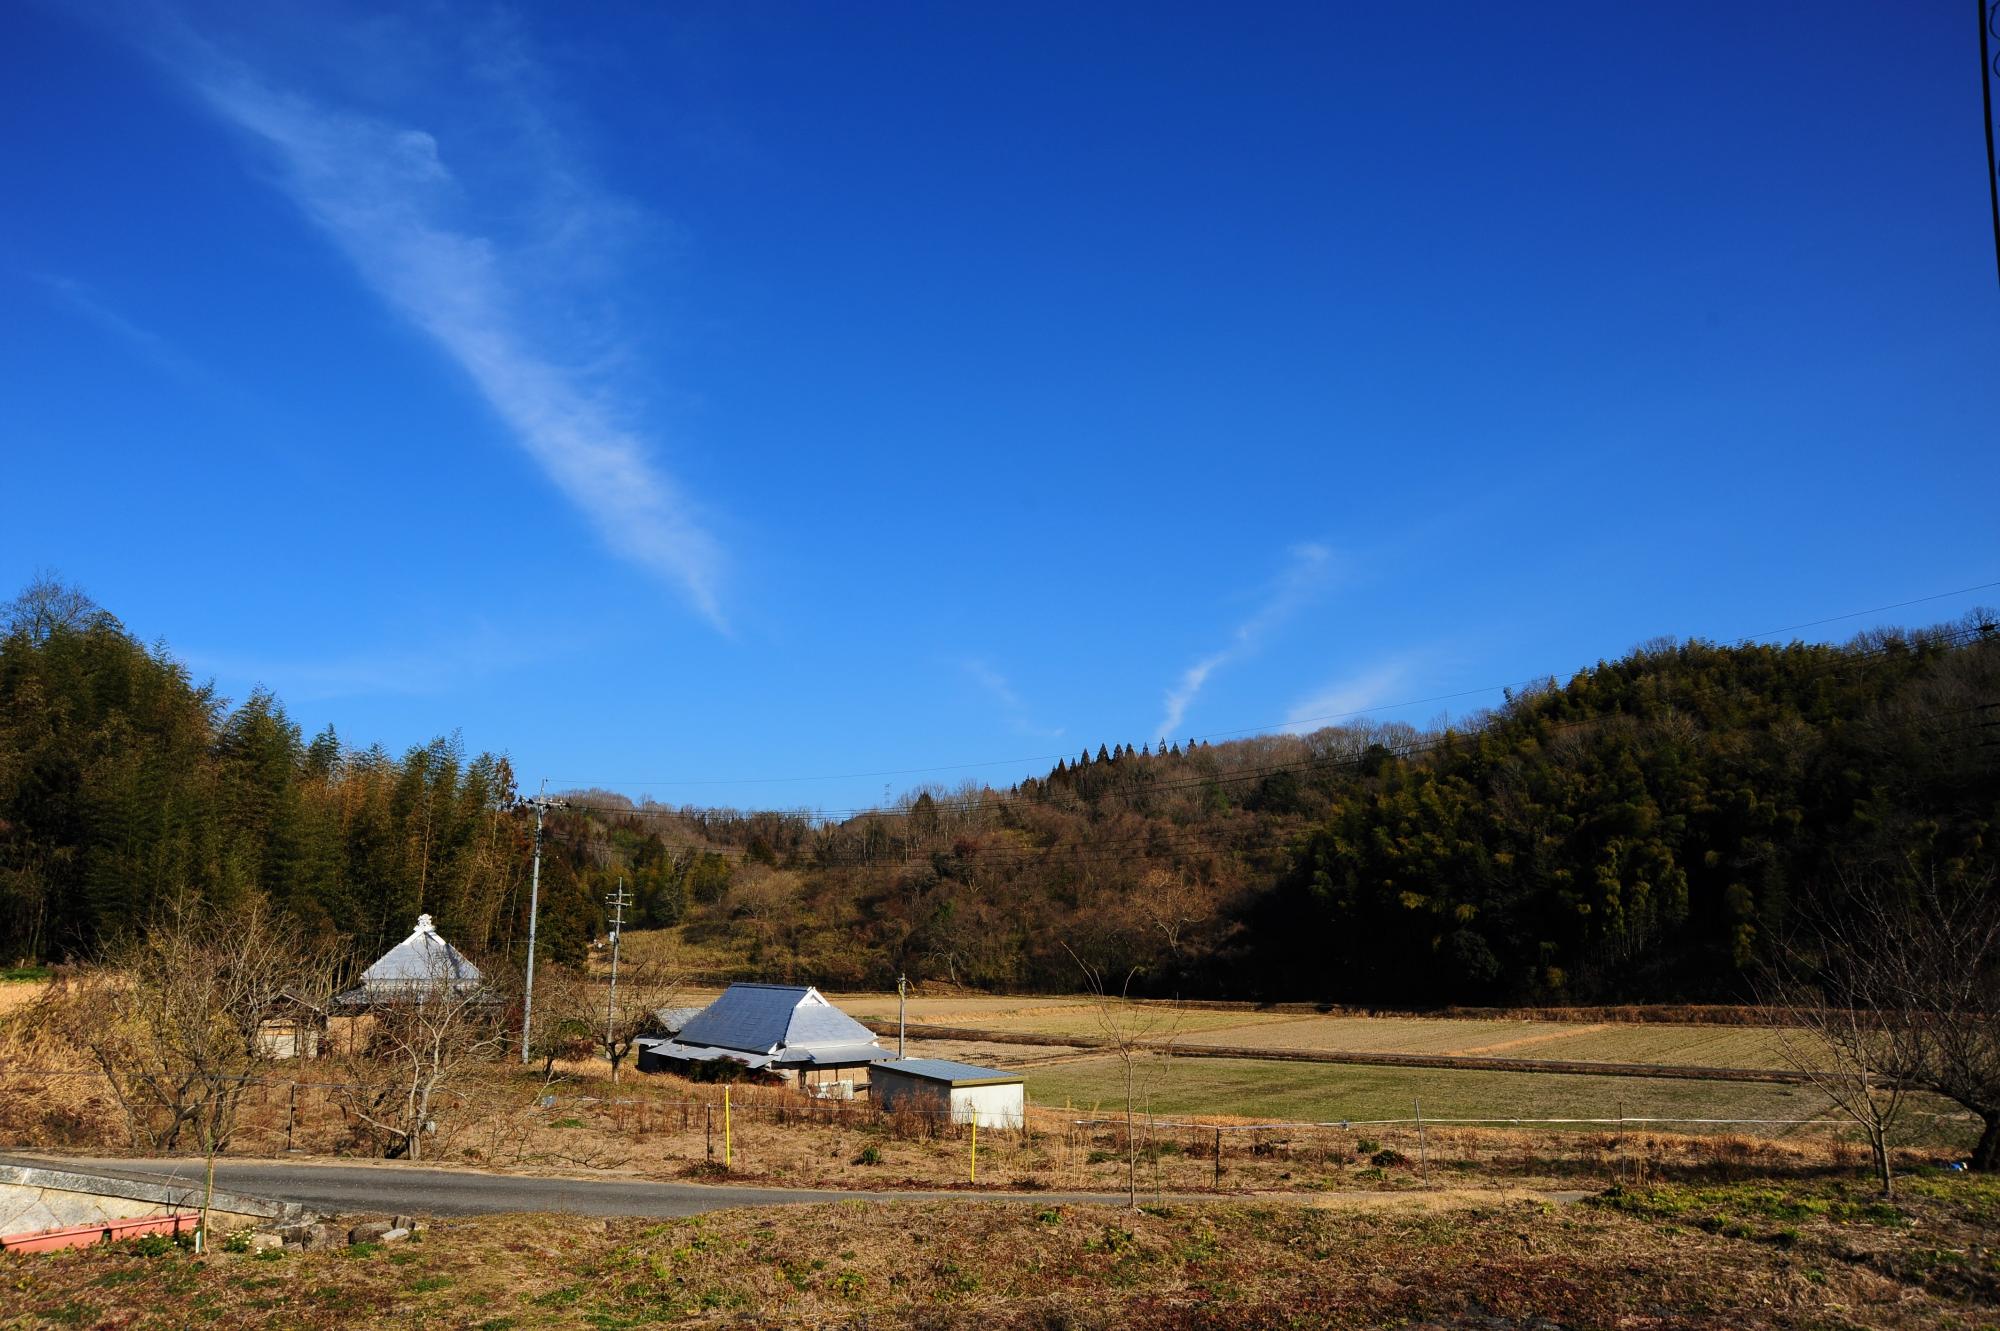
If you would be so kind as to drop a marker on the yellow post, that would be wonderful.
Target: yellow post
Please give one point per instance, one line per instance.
(975, 1143)
(726, 1154)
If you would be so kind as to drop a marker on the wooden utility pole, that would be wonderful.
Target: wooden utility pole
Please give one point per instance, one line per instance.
(619, 900)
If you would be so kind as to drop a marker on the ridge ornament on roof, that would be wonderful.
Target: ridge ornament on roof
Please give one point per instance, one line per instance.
(420, 966)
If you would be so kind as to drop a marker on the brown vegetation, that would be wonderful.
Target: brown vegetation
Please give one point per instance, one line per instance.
(1699, 1259)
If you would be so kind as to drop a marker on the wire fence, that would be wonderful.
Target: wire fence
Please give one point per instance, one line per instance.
(778, 1132)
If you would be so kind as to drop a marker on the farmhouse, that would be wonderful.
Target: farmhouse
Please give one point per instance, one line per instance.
(988, 1096)
(421, 967)
(787, 1030)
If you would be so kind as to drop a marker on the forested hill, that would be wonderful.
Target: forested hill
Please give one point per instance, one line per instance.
(1644, 831)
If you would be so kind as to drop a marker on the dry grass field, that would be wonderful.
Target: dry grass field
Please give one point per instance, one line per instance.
(1738, 1258)
(1605, 1042)
(663, 1127)
(1318, 1092)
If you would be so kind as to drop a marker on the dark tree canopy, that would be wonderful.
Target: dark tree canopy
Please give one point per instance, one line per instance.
(1643, 831)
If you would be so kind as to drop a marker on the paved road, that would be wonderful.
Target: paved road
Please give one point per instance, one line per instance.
(409, 1189)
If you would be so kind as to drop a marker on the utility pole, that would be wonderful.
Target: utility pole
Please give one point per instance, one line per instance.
(619, 901)
(902, 991)
(542, 804)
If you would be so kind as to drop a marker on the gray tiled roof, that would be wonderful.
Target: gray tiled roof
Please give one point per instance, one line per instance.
(421, 959)
(767, 1018)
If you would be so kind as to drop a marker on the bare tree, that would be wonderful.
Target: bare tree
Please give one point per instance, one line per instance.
(1844, 1047)
(179, 1020)
(644, 989)
(418, 1045)
(1131, 1031)
(176, 1016)
(1895, 988)
(46, 605)
(568, 1013)
(1930, 944)
(1173, 905)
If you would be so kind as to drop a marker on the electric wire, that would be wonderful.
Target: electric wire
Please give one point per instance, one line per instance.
(1277, 727)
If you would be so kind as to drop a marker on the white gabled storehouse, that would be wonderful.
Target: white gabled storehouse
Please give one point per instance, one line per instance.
(995, 1099)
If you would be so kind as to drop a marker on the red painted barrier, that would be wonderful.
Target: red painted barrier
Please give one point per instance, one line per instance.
(80, 1236)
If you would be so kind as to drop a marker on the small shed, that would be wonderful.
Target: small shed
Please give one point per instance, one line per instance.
(292, 1028)
(990, 1096)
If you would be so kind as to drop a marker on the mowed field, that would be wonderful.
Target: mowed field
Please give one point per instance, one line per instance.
(1250, 1089)
(1247, 1028)
(1322, 1092)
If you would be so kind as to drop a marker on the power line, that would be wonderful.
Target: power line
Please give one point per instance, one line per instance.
(1843, 660)
(1269, 728)
(1989, 26)
(1208, 836)
(1874, 610)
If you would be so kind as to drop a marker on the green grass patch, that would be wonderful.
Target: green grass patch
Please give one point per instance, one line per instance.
(1331, 1093)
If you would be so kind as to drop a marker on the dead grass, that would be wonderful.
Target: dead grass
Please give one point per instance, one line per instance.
(663, 1127)
(1687, 1045)
(1807, 1258)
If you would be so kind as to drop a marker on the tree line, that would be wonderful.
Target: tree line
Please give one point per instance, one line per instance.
(1651, 829)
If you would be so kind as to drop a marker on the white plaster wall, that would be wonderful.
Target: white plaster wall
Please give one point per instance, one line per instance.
(996, 1106)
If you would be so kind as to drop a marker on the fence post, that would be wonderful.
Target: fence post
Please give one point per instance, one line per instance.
(1423, 1153)
(709, 1115)
(975, 1144)
(1218, 1159)
(291, 1115)
(728, 1156)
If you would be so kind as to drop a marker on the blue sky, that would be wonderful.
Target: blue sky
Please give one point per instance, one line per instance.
(683, 397)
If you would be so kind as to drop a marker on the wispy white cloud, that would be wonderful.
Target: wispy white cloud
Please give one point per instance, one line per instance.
(1348, 697)
(1305, 576)
(81, 301)
(1011, 703)
(384, 194)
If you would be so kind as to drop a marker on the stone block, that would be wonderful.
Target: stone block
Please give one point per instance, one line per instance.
(369, 1231)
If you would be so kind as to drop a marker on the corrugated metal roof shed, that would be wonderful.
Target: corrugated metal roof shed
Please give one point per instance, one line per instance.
(950, 1073)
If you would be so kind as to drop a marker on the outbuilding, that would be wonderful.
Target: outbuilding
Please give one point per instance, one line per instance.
(990, 1096)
